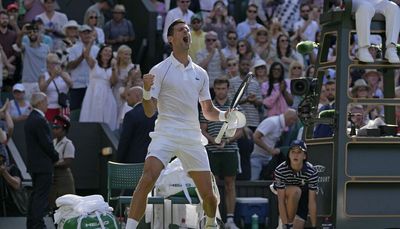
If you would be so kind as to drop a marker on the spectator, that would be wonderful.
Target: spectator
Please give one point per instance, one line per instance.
(99, 7)
(275, 31)
(103, 73)
(134, 140)
(43, 37)
(206, 6)
(63, 180)
(78, 65)
(11, 179)
(287, 14)
(41, 157)
(181, 11)
(70, 30)
(211, 57)
(260, 71)
(285, 54)
(119, 30)
(251, 99)
(34, 58)
(53, 22)
(277, 92)
(248, 28)
(198, 36)
(374, 80)
(358, 115)
(266, 137)
(295, 72)
(54, 82)
(296, 184)
(232, 68)
(364, 11)
(323, 100)
(7, 39)
(219, 21)
(12, 11)
(4, 63)
(363, 91)
(223, 157)
(128, 74)
(310, 72)
(230, 50)
(92, 19)
(263, 45)
(322, 130)
(20, 108)
(307, 27)
(245, 50)
(160, 7)
(33, 8)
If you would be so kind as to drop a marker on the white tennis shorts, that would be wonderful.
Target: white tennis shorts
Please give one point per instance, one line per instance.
(193, 155)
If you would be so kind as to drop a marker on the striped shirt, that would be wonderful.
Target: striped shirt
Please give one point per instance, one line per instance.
(213, 129)
(284, 175)
(251, 111)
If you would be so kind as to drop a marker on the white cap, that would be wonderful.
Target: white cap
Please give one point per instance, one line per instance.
(71, 24)
(259, 62)
(19, 87)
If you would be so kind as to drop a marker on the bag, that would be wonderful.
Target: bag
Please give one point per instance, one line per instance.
(174, 180)
(21, 198)
(92, 221)
(63, 99)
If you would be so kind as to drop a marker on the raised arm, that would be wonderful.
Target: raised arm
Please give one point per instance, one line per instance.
(149, 103)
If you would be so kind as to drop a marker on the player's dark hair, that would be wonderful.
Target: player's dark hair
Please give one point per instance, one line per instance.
(170, 30)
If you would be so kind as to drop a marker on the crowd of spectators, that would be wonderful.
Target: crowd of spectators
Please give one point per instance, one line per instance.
(42, 50)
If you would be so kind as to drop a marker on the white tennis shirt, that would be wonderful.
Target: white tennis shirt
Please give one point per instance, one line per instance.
(178, 89)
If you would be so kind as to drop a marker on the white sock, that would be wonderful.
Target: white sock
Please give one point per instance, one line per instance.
(131, 223)
(229, 219)
(210, 221)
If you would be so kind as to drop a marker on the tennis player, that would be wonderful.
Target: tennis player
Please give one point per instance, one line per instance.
(174, 87)
(296, 183)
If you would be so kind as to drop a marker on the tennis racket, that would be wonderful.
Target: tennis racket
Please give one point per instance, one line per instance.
(235, 102)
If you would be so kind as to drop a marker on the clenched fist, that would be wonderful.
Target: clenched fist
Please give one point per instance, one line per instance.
(148, 81)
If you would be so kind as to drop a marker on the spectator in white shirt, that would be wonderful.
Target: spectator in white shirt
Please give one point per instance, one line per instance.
(307, 27)
(182, 12)
(248, 28)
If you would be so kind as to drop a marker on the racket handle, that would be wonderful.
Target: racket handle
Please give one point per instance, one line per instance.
(221, 133)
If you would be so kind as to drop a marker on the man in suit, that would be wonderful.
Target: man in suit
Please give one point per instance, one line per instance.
(134, 140)
(323, 130)
(41, 157)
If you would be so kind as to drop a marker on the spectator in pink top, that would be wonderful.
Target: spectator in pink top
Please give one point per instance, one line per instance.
(277, 91)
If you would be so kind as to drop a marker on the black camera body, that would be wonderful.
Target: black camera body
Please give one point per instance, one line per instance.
(303, 86)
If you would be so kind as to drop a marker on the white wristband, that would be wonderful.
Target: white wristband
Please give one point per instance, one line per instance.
(146, 95)
(221, 116)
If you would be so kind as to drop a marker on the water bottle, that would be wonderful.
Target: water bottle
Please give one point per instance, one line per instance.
(159, 22)
(183, 224)
(327, 224)
(254, 221)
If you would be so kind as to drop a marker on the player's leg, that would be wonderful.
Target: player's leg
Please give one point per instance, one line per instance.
(195, 160)
(292, 197)
(160, 151)
(364, 11)
(202, 180)
(151, 171)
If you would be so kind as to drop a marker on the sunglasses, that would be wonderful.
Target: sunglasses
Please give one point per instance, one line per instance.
(118, 12)
(305, 11)
(211, 40)
(187, 2)
(252, 11)
(196, 22)
(231, 65)
(296, 67)
(231, 38)
(277, 69)
(262, 34)
(93, 17)
(242, 45)
(285, 40)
